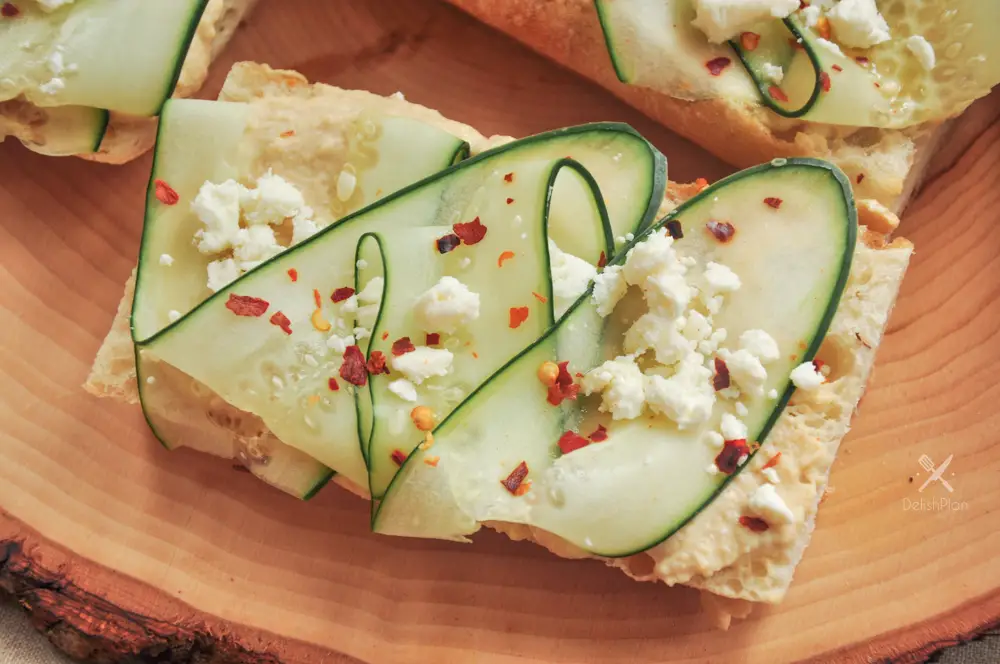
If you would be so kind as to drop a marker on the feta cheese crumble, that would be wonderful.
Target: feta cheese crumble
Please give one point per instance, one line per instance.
(166, 260)
(654, 266)
(806, 377)
(447, 306)
(721, 20)
(660, 334)
(403, 389)
(922, 49)
(571, 276)
(773, 73)
(768, 505)
(422, 363)
(621, 385)
(732, 428)
(273, 200)
(761, 344)
(339, 344)
(858, 23)
(687, 396)
(52, 5)
(609, 289)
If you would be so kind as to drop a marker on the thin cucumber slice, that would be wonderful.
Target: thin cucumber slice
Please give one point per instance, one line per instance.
(120, 55)
(285, 379)
(649, 478)
(69, 130)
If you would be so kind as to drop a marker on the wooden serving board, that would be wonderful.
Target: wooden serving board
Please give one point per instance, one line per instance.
(119, 548)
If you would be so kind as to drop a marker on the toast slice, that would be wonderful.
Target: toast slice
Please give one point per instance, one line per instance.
(128, 137)
(724, 562)
(886, 165)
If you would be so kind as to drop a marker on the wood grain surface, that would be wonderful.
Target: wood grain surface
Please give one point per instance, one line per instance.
(120, 549)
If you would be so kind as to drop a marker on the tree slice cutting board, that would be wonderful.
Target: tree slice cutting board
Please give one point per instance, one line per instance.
(119, 548)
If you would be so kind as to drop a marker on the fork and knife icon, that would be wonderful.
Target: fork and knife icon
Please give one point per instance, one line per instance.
(936, 473)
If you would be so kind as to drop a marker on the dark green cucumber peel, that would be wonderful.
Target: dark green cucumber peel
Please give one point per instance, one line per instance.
(850, 218)
(168, 91)
(800, 35)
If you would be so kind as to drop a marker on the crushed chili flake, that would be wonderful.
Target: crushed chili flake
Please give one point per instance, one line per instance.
(432, 339)
(772, 462)
(728, 460)
(749, 40)
(398, 457)
(475, 355)
(862, 60)
(385, 335)
(333, 385)
(796, 44)
(9, 10)
(402, 346)
(510, 201)
(771, 201)
(376, 363)
(505, 256)
(716, 66)
(571, 441)
(860, 178)
(432, 461)
(824, 81)
(602, 260)
(877, 84)
(777, 93)
(447, 243)
(281, 320)
(599, 435)
(754, 524)
(318, 298)
(564, 387)
(513, 481)
(823, 27)
(720, 380)
(675, 229)
(541, 298)
(722, 230)
(471, 232)
(287, 134)
(701, 183)
(509, 177)
(293, 274)
(353, 370)
(517, 316)
(836, 68)
(165, 193)
(342, 294)
(244, 305)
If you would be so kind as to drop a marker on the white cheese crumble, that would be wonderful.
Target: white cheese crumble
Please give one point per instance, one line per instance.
(805, 376)
(745, 369)
(422, 363)
(571, 276)
(652, 331)
(732, 428)
(654, 266)
(217, 206)
(222, 273)
(720, 279)
(714, 439)
(724, 19)
(741, 410)
(922, 49)
(760, 344)
(339, 344)
(773, 73)
(347, 182)
(166, 260)
(772, 394)
(367, 303)
(767, 504)
(830, 46)
(609, 289)
(621, 385)
(52, 86)
(811, 15)
(403, 389)
(858, 23)
(687, 396)
(52, 5)
(273, 200)
(446, 306)
(771, 475)
(303, 228)
(173, 315)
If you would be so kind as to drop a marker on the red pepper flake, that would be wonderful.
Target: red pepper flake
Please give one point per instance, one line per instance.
(860, 178)
(722, 230)
(772, 462)
(541, 298)
(602, 260)
(571, 441)
(432, 339)
(470, 233)
(353, 370)
(824, 81)
(749, 40)
(475, 355)
(385, 335)
(333, 385)
(877, 85)
(376, 363)
(796, 44)
(318, 298)
(777, 93)
(243, 305)
(836, 68)
(402, 346)
(287, 134)
(728, 460)
(818, 365)
(701, 183)
(754, 524)
(342, 294)
(862, 60)
(398, 457)
(675, 229)
(517, 316)
(505, 256)
(599, 435)
(803, 4)
(509, 177)
(510, 201)
(165, 193)
(773, 202)
(293, 274)
(823, 27)
(717, 65)
(564, 387)
(721, 379)
(513, 481)
(9, 10)
(447, 243)
(281, 320)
